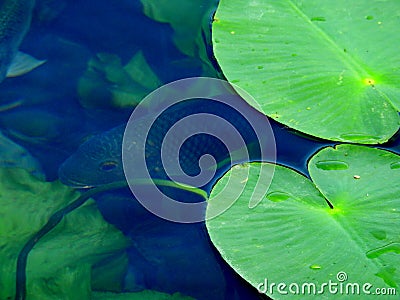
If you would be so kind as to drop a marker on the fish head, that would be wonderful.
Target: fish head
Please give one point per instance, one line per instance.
(97, 161)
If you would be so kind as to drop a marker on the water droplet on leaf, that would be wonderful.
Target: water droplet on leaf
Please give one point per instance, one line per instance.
(359, 137)
(332, 165)
(278, 196)
(320, 19)
(395, 165)
(315, 267)
(387, 274)
(392, 247)
(379, 234)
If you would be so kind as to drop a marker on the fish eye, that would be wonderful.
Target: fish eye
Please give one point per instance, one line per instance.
(108, 165)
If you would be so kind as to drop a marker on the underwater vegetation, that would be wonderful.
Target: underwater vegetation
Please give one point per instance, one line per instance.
(321, 208)
(191, 35)
(65, 256)
(15, 156)
(81, 253)
(108, 84)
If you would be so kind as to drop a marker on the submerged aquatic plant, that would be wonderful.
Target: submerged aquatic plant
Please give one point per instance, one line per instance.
(148, 295)
(66, 239)
(191, 34)
(60, 264)
(80, 249)
(109, 84)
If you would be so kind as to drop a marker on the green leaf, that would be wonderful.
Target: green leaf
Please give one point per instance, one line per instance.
(59, 266)
(326, 68)
(146, 294)
(109, 274)
(108, 84)
(190, 21)
(140, 71)
(345, 220)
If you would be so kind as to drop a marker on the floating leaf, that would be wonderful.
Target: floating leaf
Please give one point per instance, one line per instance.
(342, 224)
(325, 68)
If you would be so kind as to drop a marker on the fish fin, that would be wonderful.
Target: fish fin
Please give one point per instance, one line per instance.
(23, 63)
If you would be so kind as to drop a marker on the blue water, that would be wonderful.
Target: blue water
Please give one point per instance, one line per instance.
(49, 121)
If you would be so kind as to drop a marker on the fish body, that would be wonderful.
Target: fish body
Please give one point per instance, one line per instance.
(15, 20)
(99, 160)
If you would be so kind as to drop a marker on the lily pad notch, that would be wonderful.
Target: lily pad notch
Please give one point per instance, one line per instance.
(294, 236)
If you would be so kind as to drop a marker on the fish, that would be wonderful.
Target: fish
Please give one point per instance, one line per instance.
(98, 161)
(12, 155)
(15, 20)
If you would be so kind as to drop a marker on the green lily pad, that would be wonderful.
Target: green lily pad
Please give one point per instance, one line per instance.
(341, 227)
(326, 68)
